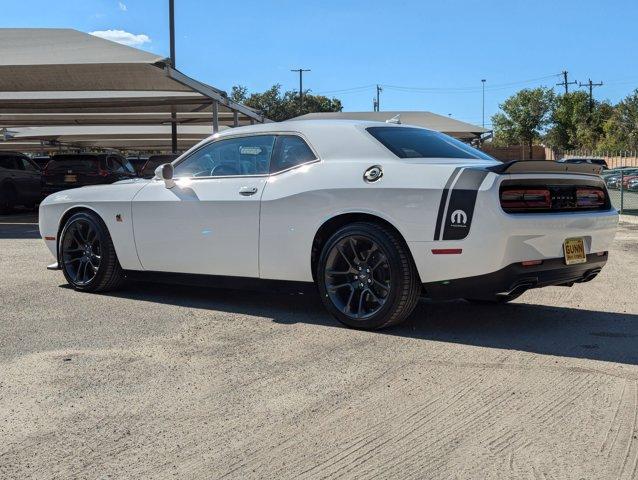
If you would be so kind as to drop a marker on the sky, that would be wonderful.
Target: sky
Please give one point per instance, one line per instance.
(427, 55)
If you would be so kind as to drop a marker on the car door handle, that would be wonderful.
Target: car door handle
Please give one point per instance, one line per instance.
(247, 191)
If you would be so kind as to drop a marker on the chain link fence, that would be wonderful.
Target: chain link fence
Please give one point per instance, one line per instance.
(622, 185)
(621, 176)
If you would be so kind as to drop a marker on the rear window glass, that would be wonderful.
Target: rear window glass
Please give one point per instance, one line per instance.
(406, 142)
(77, 163)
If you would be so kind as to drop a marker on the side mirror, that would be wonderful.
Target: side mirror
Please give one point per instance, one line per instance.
(165, 172)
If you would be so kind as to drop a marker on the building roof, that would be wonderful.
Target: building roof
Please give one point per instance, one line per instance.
(433, 121)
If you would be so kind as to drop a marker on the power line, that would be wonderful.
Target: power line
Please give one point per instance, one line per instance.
(565, 83)
(347, 90)
(471, 88)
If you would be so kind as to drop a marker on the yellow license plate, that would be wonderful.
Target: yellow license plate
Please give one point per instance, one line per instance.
(70, 178)
(574, 249)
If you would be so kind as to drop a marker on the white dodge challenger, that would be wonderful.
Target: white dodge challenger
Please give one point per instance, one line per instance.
(375, 214)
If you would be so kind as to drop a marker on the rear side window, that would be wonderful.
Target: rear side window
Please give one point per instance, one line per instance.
(76, 163)
(407, 142)
(28, 166)
(119, 165)
(290, 151)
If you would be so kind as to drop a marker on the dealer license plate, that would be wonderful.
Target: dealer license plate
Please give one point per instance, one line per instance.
(574, 249)
(70, 178)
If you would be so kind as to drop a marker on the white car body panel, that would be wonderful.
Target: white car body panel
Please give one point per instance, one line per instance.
(204, 226)
(201, 226)
(107, 201)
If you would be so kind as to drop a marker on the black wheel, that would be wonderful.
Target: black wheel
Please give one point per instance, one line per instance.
(366, 277)
(496, 299)
(7, 198)
(87, 255)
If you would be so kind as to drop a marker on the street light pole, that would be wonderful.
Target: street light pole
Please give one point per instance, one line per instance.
(483, 82)
(171, 28)
(300, 70)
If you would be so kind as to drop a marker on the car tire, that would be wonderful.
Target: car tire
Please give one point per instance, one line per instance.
(366, 276)
(7, 198)
(87, 255)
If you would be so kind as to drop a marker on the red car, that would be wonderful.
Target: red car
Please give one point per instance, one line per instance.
(625, 180)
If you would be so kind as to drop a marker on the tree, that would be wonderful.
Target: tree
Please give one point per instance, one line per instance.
(573, 125)
(621, 127)
(523, 117)
(279, 106)
(569, 113)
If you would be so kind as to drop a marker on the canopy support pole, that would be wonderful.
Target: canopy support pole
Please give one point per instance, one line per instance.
(171, 27)
(235, 119)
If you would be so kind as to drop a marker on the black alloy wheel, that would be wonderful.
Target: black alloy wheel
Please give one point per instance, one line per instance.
(81, 251)
(366, 276)
(358, 277)
(87, 255)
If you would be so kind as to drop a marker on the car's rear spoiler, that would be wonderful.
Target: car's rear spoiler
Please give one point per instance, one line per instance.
(545, 166)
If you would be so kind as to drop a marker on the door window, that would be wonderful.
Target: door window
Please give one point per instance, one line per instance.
(291, 151)
(231, 157)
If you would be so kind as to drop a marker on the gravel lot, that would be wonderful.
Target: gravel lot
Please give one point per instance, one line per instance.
(162, 381)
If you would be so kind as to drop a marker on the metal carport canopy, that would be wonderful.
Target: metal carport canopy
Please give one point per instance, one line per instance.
(135, 137)
(18, 109)
(36, 61)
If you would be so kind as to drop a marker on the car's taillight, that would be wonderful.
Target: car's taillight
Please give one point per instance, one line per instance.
(590, 197)
(525, 198)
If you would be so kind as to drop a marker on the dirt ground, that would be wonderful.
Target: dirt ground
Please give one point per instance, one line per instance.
(163, 381)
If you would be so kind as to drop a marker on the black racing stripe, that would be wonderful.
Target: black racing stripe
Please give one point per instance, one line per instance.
(460, 211)
(444, 194)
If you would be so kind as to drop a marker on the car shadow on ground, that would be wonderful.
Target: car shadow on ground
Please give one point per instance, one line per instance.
(548, 330)
(21, 224)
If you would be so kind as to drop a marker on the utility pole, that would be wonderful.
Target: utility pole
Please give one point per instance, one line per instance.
(565, 83)
(171, 28)
(591, 85)
(377, 104)
(483, 82)
(300, 70)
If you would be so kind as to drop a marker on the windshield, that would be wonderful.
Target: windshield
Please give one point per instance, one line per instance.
(408, 142)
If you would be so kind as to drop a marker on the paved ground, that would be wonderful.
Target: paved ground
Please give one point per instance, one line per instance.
(159, 382)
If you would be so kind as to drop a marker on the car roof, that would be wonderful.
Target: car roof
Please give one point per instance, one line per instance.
(329, 138)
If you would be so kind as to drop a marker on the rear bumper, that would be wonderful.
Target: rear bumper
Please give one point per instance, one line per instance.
(515, 278)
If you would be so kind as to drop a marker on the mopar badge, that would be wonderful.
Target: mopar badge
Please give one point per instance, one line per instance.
(373, 174)
(458, 218)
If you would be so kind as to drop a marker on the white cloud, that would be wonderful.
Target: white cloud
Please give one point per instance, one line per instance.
(122, 6)
(120, 36)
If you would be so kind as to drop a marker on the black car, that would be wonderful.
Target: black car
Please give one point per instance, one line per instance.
(79, 169)
(20, 182)
(148, 170)
(595, 161)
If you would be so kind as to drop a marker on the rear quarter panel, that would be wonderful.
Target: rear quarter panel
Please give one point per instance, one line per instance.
(296, 203)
